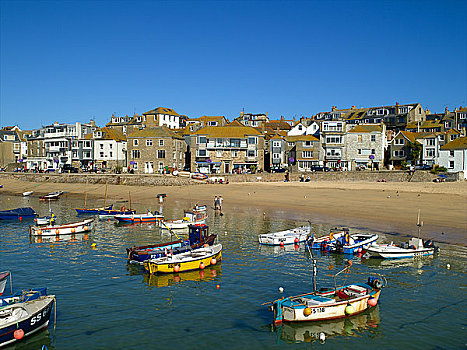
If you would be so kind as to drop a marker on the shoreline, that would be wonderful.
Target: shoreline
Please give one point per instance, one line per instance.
(389, 207)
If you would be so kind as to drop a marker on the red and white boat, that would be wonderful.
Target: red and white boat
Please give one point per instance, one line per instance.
(66, 229)
(3, 280)
(190, 218)
(133, 218)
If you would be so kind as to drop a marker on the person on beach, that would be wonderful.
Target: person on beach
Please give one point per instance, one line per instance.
(216, 202)
(219, 200)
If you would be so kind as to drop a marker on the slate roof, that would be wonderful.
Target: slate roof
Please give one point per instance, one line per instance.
(227, 131)
(459, 143)
(157, 132)
(295, 138)
(366, 128)
(162, 110)
(107, 134)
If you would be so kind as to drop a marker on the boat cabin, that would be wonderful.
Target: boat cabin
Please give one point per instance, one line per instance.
(198, 233)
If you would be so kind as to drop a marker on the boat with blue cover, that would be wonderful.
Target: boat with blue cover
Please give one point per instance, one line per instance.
(198, 236)
(18, 214)
(342, 241)
(24, 313)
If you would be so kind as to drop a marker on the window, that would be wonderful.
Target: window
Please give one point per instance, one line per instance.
(430, 142)
(441, 137)
(110, 146)
(251, 153)
(161, 166)
(124, 129)
(201, 153)
(451, 153)
(101, 146)
(110, 154)
(234, 154)
(430, 152)
(252, 141)
(161, 142)
(451, 164)
(161, 153)
(359, 151)
(307, 143)
(399, 141)
(373, 151)
(290, 144)
(307, 154)
(219, 154)
(276, 144)
(276, 156)
(135, 166)
(234, 142)
(399, 153)
(135, 142)
(101, 154)
(149, 142)
(212, 123)
(373, 138)
(135, 153)
(201, 139)
(333, 139)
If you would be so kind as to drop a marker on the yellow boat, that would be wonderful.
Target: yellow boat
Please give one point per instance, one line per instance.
(197, 259)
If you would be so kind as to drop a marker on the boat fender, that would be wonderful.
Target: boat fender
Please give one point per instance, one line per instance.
(176, 268)
(331, 236)
(18, 334)
(86, 228)
(296, 240)
(201, 266)
(347, 238)
(377, 284)
(372, 301)
(349, 309)
(57, 231)
(307, 312)
(213, 261)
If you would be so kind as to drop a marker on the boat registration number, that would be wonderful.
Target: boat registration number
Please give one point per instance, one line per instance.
(316, 310)
(40, 315)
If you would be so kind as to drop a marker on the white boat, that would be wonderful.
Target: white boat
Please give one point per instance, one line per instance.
(291, 236)
(27, 193)
(353, 243)
(132, 218)
(416, 247)
(190, 218)
(66, 229)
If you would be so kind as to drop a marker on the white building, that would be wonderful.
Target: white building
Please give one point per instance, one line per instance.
(110, 148)
(453, 156)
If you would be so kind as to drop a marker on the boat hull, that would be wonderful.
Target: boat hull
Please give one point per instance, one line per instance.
(293, 236)
(71, 228)
(138, 218)
(34, 316)
(16, 214)
(167, 265)
(180, 224)
(394, 252)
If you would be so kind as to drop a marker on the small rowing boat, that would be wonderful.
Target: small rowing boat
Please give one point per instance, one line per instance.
(190, 218)
(291, 236)
(27, 193)
(197, 259)
(347, 243)
(66, 229)
(52, 196)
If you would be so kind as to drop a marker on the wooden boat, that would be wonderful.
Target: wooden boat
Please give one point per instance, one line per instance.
(18, 214)
(199, 208)
(66, 229)
(198, 236)
(352, 243)
(416, 247)
(326, 242)
(199, 176)
(291, 236)
(23, 314)
(81, 211)
(148, 217)
(190, 218)
(328, 303)
(3, 280)
(45, 220)
(27, 193)
(197, 259)
(60, 239)
(52, 196)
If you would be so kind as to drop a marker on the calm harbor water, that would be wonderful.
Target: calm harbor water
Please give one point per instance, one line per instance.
(103, 303)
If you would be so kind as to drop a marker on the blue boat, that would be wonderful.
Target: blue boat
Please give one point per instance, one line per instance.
(198, 236)
(24, 313)
(94, 211)
(18, 214)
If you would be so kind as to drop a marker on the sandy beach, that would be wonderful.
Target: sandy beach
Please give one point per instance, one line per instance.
(390, 207)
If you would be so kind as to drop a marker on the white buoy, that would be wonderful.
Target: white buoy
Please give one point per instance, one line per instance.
(281, 289)
(322, 336)
(448, 266)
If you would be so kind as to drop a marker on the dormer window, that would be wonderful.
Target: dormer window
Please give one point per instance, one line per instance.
(97, 134)
(139, 119)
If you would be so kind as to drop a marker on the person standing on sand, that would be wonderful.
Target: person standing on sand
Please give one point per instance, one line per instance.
(216, 202)
(220, 203)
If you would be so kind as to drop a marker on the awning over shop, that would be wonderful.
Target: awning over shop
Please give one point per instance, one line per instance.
(208, 163)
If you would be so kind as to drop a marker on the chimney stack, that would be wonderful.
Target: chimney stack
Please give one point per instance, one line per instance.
(333, 108)
(397, 104)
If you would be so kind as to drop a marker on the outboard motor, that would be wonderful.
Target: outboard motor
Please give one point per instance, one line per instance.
(430, 244)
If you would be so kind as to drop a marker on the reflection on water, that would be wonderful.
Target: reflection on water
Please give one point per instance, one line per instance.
(350, 326)
(171, 279)
(60, 239)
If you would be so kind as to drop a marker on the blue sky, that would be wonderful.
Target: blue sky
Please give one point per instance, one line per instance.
(72, 61)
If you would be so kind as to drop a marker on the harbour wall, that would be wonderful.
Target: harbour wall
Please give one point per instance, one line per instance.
(169, 180)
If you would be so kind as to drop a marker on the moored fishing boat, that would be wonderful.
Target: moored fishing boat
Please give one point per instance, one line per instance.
(147, 217)
(328, 303)
(353, 243)
(83, 211)
(3, 280)
(24, 313)
(52, 196)
(198, 236)
(190, 218)
(65, 229)
(192, 260)
(45, 220)
(292, 236)
(27, 193)
(327, 241)
(17, 214)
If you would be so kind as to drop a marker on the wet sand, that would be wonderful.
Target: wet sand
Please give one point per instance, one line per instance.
(385, 207)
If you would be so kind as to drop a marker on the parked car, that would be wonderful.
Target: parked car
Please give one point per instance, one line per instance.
(49, 170)
(319, 168)
(68, 168)
(423, 167)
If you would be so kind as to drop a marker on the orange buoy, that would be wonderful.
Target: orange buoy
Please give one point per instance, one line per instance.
(281, 244)
(86, 228)
(20, 218)
(73, 230)
(296, 240)
(18, 334)
(349, 262)
(307, 311)
(176, 268)
(372, 301)
(57, 231)
(218, 286)
(39, 240)
(213, 261)
(39, 232)
(201, 265)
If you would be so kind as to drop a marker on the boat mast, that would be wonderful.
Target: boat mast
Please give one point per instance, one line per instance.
(129, 199)
(105, 197)
(315, 271)
(419, 225)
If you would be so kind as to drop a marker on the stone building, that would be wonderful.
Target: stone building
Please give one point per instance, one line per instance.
(162, 116)
(332, 152)
(365, 146)
(155, 149)
(303, 152)
(227, 149)
(109, 147)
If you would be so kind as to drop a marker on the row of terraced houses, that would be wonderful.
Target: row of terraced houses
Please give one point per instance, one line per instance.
(161, 140)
